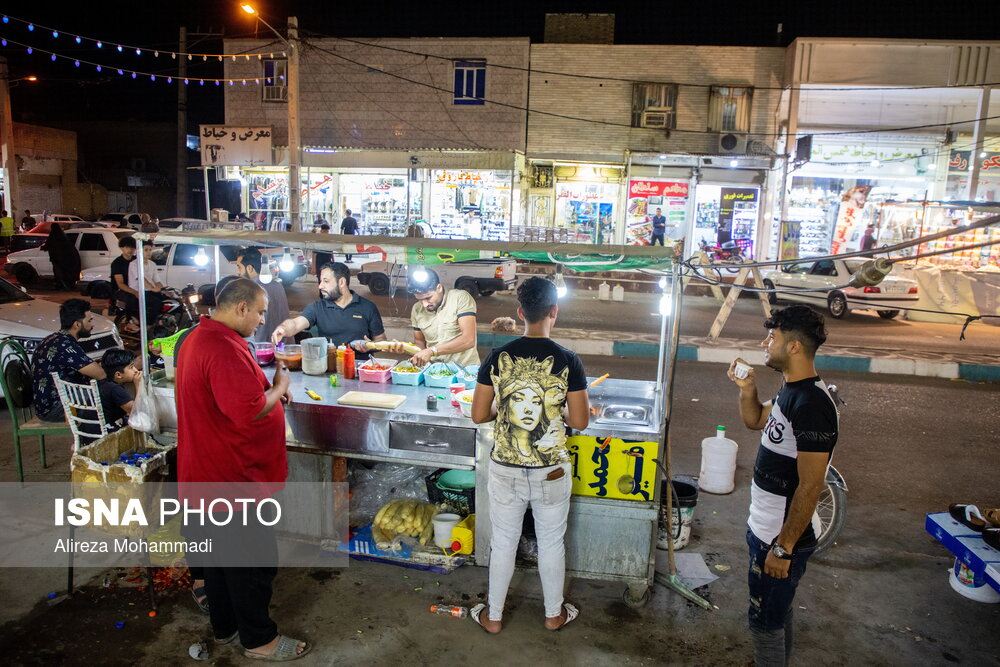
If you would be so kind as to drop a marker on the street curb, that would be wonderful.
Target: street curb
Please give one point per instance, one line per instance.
(854, 361)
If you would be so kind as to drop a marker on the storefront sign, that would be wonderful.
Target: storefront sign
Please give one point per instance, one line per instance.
(959, 161)
(864, 151)
(459, 177)
(230, 145)
(729, 200)
(657, 189)
(603, 469)
(852, 208)
(791, 234)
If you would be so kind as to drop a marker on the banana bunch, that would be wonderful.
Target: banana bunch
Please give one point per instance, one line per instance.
(404, 517)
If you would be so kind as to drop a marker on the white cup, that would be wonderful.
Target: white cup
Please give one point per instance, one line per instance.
(741, 371)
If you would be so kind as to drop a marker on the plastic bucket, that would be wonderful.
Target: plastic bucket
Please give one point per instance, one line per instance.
(443, 525)
(971, 585)
(683, 500)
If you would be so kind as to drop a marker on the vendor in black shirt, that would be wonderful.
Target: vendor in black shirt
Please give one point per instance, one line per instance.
(340, 315)
(119, 276)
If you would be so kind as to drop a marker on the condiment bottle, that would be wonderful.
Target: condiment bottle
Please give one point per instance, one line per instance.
(340, 359)
(349, 363)
(331, 358)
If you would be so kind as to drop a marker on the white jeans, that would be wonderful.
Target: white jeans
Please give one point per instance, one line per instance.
(511, 490)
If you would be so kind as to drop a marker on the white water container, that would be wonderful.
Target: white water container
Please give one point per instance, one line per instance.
(604, 292)
(618, 293)
(718, 463)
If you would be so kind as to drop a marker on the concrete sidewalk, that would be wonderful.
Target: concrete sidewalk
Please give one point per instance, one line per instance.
(972, 366)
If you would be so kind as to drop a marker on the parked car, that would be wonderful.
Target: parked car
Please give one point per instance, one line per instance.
(177, 265)
(96, 245)
(832, 275)
(29, 320)
(478, 277)
(115, 219)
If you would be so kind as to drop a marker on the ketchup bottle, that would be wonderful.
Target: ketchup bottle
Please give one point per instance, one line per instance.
(349, 363)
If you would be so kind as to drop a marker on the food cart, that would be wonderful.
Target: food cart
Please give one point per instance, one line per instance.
(613, 523)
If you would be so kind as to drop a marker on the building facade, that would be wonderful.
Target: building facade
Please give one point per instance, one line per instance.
(616, 132)
(395, 130)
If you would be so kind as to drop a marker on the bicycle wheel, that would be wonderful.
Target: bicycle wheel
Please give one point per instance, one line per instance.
(832, 511)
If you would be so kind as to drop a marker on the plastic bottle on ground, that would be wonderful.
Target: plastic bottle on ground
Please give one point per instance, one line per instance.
(447, 610)
(718, 463)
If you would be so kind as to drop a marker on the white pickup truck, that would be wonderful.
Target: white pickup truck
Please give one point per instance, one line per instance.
(478, 277)
(97, 246)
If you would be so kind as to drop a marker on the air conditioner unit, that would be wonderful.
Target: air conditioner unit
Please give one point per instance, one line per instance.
(732, 143)
(656, 119)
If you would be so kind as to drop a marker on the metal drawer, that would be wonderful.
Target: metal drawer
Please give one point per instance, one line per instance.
(441, 440)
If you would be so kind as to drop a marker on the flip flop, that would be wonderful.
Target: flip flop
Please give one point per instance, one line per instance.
(993, 516)
(476, 614)
(571, 613)
(200, 598)
(969, 516)
(283, 652)
(228, 640)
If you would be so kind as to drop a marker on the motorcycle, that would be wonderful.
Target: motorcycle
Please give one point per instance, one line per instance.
(178, 311)
(726, 253)
(832, 505)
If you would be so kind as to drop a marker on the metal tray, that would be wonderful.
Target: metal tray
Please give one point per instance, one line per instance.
(623, 414)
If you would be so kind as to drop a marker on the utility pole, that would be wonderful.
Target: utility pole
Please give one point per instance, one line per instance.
(294, 140)
(10, 182)
(182, 175)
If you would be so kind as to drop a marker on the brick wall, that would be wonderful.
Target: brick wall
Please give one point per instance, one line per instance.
(359, 105)
(609, 100)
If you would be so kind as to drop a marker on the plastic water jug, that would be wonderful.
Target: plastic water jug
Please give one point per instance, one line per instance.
(463, 535)
(314, 356)
(618, 293)
(718, 463)
(604, 292)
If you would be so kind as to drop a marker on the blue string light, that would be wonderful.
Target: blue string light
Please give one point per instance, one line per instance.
(100, 44)
(170, 79)
(152, 77)
(121, 73)
(3, 42)
(201, 82)
(98, 68)
(31, 27)
(76, 63)
(133, 75)
(6, 19)
(55, 35)
(78, 40)
(138, 52)
(30, 50)
(119, 48)
(53, 57)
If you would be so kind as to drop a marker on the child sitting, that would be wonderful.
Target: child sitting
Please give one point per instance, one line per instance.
(116, 396)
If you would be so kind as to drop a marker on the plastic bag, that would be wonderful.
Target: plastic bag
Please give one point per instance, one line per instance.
(144, 416)
(406, 518)
(373, 488)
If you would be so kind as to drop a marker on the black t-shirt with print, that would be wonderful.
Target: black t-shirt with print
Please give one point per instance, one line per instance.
(531, 377)
(119, 267)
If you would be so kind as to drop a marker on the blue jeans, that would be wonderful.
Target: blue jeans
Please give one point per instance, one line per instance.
(656, 238)
(770, 613)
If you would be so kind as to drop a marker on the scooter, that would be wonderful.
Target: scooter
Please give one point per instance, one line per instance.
(727, 252)
(179, 311)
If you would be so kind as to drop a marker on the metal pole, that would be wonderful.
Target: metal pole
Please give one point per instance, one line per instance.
(10, 182)
(208, 203)
(294, 140)
(792, 131)
(182, 175)
(143, 337)
(978, 143)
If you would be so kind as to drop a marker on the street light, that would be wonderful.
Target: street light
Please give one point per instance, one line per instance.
(249, 9)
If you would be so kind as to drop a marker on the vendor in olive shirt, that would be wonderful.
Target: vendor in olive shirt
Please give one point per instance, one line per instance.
(444, 321)
(341, 316)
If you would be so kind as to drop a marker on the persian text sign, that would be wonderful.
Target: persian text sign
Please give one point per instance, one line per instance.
(641, 188)
(235, 146)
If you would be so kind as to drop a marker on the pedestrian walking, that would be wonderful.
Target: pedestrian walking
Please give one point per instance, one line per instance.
(231, 429)
(868, 238)
(540, 388)
(27, 222)
(348, 225)
(64, 257)
(799, 431)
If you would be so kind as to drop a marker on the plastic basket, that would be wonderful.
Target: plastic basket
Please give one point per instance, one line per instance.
(412, 379)
(469, 375)
(376, 376)
(463, 502)
(440, 382)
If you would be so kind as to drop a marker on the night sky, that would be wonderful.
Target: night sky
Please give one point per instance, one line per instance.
(66, 93)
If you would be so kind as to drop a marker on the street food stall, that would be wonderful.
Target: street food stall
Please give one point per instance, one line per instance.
(613, 524)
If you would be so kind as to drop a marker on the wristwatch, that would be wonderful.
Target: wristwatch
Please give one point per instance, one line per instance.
(779, 552)
(434, 350)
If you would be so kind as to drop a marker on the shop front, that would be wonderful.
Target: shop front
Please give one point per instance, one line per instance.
(446, 194)
(724, 214)
(836, 195)
(648, 198)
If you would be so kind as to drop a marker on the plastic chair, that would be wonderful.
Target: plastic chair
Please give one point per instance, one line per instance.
(82, 404)
(18, 391)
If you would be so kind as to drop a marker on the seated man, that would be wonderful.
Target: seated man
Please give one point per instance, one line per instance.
(61, 353)
(118, 390)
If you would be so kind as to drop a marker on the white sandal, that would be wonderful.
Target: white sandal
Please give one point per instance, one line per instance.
(571, 613)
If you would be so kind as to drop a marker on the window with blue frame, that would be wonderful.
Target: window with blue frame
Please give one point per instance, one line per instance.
(470, 81)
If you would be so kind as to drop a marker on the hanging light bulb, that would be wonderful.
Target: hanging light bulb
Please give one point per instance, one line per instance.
(30, 50)
(53, 57)
(100, 44)
(267, 276)
(152, 77)
(666, 304)
(76, 63)
(3, 42)
(156, 54)
(31, 27)
(119, 48)
(138, 52)
(560, 283)
(98, 68)
(170, 79)
(200, 258)
(286, 263)
(133, 75)
(78, 40)
(55, 35)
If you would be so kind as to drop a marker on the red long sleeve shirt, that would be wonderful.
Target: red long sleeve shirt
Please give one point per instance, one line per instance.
(219, 390)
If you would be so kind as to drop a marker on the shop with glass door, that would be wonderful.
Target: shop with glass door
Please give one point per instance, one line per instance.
(586, 202)
(470, 204)
(723, 214)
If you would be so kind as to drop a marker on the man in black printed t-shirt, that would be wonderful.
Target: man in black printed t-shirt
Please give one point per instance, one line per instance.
(799, 433)
(532, 389)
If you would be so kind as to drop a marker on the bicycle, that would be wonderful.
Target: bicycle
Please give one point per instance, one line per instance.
(832, 505)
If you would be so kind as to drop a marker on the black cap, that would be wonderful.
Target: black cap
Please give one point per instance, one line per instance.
(420, 280)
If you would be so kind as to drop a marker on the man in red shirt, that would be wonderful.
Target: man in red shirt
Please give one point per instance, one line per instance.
(231, 428)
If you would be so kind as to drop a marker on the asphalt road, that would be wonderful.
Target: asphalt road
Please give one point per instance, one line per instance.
(907, 446)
